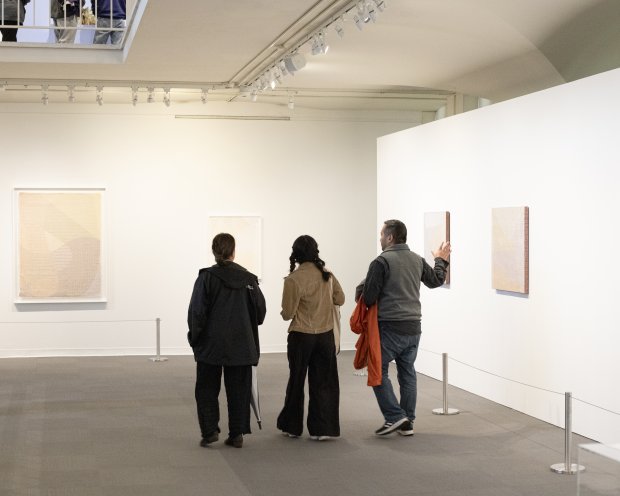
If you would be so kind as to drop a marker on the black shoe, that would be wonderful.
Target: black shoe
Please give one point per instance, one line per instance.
(211, 438)
(406, 429)
(389, 427)
(236, 441)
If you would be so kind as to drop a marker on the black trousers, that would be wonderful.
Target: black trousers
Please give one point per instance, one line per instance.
(9, 34)
(238, 385)
(314, 354)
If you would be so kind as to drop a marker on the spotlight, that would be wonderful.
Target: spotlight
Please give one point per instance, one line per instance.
(338, 27)
(203, 95)
(2, 87)
(282, 67)
(362, 12)
(318, 44)
(359, 24)
(380, 5)
(71, 93)
(167, 97)
(294, 62)
(254, 95)
(323, 42)
(291, 103)
(99, 97)
(316, 47)
(45, 99)
(372, 15)
(134, 95)
(149, 98)
(277, 74)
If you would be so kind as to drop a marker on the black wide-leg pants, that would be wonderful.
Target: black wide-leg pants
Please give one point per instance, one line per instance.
(238, 385)
(314, 354)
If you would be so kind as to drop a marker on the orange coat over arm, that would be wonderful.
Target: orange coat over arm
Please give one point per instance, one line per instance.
(364, 322)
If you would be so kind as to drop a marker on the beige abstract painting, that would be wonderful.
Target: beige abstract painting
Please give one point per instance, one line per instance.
(510, 249)
(59, 245)
(436, 231)
(247, 232)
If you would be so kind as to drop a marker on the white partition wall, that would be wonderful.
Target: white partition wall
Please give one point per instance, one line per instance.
(557, 153)
(163, 178)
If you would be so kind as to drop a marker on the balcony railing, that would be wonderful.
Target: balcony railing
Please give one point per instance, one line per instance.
(34, 23)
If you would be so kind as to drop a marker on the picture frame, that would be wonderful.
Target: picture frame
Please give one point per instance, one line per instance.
(60, 247)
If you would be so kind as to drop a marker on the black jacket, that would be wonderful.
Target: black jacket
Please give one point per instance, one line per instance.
(226, 308)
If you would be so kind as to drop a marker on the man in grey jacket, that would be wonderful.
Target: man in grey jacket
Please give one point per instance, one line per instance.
(393, 282)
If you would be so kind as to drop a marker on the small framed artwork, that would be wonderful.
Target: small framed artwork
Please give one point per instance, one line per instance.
(436, 231)
(59, 245)
(510, 249)
(247, 231)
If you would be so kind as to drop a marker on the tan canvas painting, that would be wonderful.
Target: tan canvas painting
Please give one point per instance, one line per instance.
(247, 232)
(59, 245)
(436, 231)
(510, 253)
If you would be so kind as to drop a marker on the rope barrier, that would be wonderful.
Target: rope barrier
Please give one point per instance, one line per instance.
(522, 383)
(156, 358)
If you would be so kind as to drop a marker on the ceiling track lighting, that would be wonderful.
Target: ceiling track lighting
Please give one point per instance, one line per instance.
(204, 95)
(134, 95)
(150, 98)
(291, 103)
(363, 12)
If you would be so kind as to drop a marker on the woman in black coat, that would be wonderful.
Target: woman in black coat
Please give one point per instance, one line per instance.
(226, 308)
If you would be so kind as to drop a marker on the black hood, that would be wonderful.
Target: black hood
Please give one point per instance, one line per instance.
(232, 275)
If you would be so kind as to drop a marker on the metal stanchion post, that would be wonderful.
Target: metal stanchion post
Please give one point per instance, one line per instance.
(158, 358)
(567, 467)
(445, 410)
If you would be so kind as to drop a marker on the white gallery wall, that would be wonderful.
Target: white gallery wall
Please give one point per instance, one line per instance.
(556, 152)
(163, 178)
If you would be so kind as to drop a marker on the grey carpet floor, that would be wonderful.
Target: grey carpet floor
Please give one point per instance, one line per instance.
(127, 426)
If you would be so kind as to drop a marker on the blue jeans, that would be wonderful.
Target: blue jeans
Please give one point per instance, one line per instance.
(403, 349)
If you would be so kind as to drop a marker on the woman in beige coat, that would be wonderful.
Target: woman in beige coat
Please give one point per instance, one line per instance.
(310, 292)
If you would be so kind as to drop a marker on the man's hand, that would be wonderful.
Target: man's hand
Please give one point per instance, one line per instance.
(443, 251)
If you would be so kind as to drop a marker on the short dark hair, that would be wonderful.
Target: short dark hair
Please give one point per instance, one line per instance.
(223, 247)
(397, 229)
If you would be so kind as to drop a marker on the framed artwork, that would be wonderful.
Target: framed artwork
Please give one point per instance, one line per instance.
(436, 231)
(247, 232)
(59, 245)
(510, 249)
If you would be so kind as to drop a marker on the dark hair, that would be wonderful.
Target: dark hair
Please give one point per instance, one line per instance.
(223, 247)
(397, 229)
(306, 249)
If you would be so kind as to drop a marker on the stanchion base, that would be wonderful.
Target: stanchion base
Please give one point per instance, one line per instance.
(158, 359)
(362, 372)
(449, 411)
(560, 468)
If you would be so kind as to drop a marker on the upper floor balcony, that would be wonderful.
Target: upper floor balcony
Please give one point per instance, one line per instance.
(84, 30)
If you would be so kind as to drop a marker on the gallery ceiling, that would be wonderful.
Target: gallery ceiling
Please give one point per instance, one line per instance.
(416, 53)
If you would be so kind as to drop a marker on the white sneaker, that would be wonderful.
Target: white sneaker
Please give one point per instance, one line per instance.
(320, 438)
